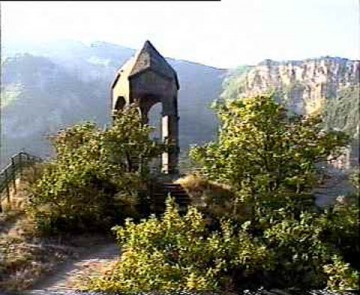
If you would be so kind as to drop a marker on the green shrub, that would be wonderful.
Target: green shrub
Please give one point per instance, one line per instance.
(341, 229)
(279, 238)
(96, 177)
(179, 253)
(299, 252)
(268, 158)
(340, 275)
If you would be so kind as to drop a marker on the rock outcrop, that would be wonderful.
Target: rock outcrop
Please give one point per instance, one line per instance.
(302, 85)
(328, 85)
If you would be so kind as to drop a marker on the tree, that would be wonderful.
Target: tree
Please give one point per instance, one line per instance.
(128, 142)
(94, 173)
(178, 253)
(267, 156)
(272, 162)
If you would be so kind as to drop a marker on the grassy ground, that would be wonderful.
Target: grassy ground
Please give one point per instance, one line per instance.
(213, 198)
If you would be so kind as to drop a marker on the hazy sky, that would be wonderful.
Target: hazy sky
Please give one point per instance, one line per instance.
(223, 34)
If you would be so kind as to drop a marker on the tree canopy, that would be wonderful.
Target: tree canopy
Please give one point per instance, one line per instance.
(93, 173)
(265, 154)
(275, 235)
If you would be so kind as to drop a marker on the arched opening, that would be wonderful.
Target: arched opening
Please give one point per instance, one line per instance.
(155, 115)
(120, 103)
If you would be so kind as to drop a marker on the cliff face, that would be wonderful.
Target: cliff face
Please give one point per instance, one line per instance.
(329, 86)
(303, 86)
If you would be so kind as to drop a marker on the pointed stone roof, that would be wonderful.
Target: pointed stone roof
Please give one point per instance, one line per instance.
(149, 58)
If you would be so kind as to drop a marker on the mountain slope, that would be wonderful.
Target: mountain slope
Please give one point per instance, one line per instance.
(66, 84)
(327, 85)
(51, 86)
(343, 113)
(303, 86)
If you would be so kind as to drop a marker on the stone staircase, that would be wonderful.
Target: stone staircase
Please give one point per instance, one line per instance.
(165, 189)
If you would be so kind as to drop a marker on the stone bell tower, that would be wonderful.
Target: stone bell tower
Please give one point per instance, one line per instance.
(145, 80)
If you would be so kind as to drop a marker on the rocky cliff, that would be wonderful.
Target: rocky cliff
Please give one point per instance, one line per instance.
(302, 85)
(327, 85)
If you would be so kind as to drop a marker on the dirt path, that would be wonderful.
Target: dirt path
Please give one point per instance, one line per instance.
(90, 264)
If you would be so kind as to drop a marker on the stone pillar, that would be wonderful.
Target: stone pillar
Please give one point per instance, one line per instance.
(144, 115)
(170, 135)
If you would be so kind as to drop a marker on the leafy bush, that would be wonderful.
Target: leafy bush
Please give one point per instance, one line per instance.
(341, 229)
(279, 238)
(267, 157)
(299, 252)
(340, 275)
(179, 254)
(96, 176)
(269, 160)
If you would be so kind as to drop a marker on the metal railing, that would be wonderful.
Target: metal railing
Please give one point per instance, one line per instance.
(15, 168)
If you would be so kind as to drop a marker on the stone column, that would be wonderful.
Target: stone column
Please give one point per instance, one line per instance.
(170, 135)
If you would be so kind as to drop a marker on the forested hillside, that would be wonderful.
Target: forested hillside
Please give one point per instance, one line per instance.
(50, 87)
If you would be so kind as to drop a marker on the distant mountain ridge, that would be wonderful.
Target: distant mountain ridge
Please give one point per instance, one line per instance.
(302, 85)
(51, 86)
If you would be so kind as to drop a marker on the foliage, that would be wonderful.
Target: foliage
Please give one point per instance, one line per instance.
(341, 276)
(343, 112)
(180, 254)
(232, 83)
(273, 234)
(271, 160)
(267, 157)
(355, 180)
(299, 252)
(128, 142)
(95, 175)
(341, 228)
(305, 255)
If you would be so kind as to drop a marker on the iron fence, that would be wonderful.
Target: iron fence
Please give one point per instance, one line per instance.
(14, 169)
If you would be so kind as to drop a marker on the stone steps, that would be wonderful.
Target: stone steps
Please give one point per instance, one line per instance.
(160, 195)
